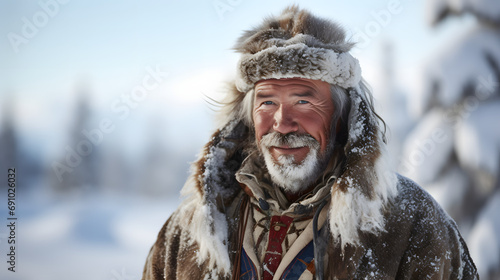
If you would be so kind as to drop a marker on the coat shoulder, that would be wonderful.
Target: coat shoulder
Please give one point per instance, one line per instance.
(431, 233)
(415, 200)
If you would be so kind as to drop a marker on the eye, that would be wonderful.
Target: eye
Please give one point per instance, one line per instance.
(303, 102)
(267, 103)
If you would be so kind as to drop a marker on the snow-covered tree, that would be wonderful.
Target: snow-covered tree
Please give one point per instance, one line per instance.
(158, 164)
(391, 102)
(454, 151)
(85, 172)
(8, 143)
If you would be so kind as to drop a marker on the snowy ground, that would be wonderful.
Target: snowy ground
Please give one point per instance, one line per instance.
(99, 237)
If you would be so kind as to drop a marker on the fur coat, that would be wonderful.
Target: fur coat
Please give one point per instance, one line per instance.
(404, 235)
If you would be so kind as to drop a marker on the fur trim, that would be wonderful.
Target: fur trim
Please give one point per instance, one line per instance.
(298, 61)
(211, 190)
(296, 45)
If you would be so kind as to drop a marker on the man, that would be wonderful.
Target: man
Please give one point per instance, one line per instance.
(295, 183)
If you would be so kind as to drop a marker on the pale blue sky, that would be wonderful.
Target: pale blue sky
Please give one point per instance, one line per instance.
(110, 41)
(109, 44)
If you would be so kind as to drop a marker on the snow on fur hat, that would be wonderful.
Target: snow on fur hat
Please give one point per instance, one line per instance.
(296, 44)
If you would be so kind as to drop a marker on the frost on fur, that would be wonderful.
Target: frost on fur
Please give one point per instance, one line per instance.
(210, 184)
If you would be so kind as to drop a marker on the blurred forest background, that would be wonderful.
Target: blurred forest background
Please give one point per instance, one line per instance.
(103, 106)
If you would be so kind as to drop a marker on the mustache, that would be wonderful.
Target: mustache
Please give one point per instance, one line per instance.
(293, 140)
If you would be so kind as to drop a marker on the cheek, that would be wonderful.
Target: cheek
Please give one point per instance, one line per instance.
(262, 123)
(318, 126)
(314, 127)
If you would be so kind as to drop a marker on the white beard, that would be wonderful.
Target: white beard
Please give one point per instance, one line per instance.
(292, 177)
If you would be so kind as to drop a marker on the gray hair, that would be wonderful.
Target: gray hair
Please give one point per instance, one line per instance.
(241, 108)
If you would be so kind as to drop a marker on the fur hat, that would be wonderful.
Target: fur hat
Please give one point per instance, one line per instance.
(296, 44)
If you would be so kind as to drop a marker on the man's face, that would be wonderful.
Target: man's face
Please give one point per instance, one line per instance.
(299, 108)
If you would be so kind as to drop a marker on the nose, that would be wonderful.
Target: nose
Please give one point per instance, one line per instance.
(284, 120)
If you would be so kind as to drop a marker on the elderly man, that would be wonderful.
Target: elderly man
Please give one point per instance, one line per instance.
(295, 184)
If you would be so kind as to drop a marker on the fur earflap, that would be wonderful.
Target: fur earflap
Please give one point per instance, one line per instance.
(361, 193)
(296, 44)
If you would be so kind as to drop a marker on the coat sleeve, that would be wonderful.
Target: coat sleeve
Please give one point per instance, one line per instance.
(173, 255)
(154, 269)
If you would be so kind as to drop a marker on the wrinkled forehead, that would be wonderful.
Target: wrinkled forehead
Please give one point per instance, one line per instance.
(297, 84)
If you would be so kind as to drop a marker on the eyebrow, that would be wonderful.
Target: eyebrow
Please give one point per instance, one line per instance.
(263, 95)
(304, 94)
